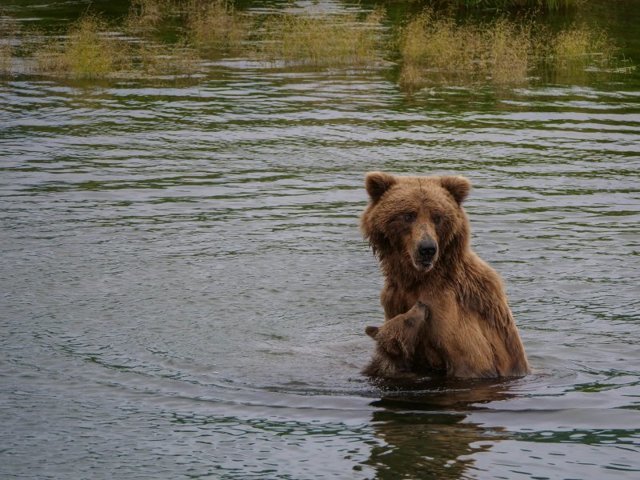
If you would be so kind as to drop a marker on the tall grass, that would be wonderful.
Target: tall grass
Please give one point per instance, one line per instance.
(214, 26)
(508, 59)
(8, 32)
(575, 54)
(430, 48)
(322, 41)
(87, 52)
(6, 58)
(578, 47)
(438, 48)
(145, 15)
(91, 50)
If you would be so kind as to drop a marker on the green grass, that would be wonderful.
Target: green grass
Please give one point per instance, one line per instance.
(146, 15)
(214, 27)
(430, 48)
(91, 50)
(438, 49)
(6, 58)
(88, 51)
(577, 47)
(323, 41)
(8, 32)
(577, 53)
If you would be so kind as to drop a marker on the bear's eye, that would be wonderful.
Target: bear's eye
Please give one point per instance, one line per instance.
(437, 218)
(409, 217)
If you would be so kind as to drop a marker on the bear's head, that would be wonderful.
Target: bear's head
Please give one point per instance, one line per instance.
(397, 340)
(417, 219)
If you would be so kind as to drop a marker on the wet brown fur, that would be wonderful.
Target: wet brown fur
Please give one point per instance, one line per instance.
(471, 331)
(396, 343)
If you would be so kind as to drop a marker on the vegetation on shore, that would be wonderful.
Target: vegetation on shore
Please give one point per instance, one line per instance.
(431, 47)
(8, 31)
(215, 27)
(6, 55)
(437, 49)
(92, 48)
(87, 52)
(336, 40)
(145, 16)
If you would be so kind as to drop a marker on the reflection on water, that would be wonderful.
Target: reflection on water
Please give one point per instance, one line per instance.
(184, 288)
(427, 434)
(427, 446)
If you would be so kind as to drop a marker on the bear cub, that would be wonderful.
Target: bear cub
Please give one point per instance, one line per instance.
(397, 342)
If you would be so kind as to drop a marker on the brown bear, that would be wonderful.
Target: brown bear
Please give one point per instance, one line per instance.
(396, 343)
(419, 231)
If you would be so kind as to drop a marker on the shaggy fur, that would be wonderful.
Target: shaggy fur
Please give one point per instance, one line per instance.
(420, 233)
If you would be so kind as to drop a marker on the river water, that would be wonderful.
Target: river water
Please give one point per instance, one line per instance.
(184, 288)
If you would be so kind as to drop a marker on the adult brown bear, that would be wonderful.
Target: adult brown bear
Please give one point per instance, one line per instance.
(420, 233)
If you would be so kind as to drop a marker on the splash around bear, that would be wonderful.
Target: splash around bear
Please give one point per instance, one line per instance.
(419, 231)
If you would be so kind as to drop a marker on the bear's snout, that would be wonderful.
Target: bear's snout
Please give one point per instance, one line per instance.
(427, 248)
(426, 251)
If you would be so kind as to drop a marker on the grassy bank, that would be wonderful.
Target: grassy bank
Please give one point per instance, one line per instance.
(6, 61)
(8, 32)
(146, 16)
(91, 50)
(173, 38)
(435, 48)
(215, 27)
(88, 51)
(336, 40)
(207, 29)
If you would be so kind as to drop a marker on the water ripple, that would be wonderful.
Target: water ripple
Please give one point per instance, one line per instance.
(182, 268)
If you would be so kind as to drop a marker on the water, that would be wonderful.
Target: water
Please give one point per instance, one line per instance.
(185, 289)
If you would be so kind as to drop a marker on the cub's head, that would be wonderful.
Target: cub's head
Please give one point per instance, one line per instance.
(419, 219)
(398, 338)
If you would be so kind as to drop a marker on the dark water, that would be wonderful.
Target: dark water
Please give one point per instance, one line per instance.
(184, 288)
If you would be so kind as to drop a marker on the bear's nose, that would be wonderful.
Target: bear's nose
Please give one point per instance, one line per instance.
(427, 248)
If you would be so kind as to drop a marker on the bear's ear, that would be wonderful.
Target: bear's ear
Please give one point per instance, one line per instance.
(458, 187)
(377, 183)
(371, 331)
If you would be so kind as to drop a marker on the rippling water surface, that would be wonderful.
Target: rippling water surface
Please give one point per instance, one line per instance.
(184, 288)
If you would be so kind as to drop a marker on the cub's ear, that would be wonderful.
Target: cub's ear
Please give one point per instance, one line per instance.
(377, 183)
(371, 331)
(458, 187)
